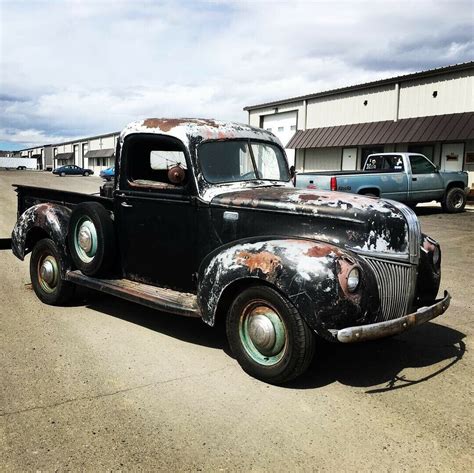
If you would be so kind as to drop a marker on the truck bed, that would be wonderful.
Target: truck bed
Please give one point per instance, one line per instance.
(32, 195)
(347, 173)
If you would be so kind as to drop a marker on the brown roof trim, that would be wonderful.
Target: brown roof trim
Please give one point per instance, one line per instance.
(393, 80)
(455, 126)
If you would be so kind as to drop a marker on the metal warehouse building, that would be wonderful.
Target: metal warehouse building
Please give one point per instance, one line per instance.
(429, 112)
(94, 152)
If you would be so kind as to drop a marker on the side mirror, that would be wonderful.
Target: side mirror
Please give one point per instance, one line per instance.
(437, 168)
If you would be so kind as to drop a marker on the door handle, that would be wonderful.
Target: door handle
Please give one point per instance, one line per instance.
(124, 204)
(414, 178)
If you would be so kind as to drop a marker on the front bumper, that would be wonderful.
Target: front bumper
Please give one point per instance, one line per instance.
(363, 333)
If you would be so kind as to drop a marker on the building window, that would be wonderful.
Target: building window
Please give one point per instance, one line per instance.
(426, 150)
(293, 127)
(268, 129)
(281, 128)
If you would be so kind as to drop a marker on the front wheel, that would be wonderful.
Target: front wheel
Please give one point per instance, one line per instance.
(268, 337)
(454, 201)
(45, 274)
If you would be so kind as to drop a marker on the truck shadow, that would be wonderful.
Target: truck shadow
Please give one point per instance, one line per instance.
(378, 366)
(188, 329)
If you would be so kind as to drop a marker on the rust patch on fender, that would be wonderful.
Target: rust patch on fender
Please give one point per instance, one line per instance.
(264, 261)
(428, 246)
(319, 251)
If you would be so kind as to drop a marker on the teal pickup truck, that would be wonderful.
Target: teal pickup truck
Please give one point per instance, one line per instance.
(407, 177)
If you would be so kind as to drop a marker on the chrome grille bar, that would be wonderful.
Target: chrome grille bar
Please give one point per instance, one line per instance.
(396, 284)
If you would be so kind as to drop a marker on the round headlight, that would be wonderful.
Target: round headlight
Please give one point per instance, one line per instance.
(436, 255)
(353, 279)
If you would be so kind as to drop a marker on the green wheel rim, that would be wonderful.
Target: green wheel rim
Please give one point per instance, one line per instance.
(85, 239)
(48, 273)
(262, 333)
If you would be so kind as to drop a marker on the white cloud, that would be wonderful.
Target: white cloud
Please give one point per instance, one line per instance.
(74, 68)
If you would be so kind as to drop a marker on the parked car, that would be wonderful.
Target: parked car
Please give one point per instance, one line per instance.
(204, 221)
(407, 177)
(107, 174)
(72, 170)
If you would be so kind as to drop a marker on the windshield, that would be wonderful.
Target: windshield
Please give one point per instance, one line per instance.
(234, 161)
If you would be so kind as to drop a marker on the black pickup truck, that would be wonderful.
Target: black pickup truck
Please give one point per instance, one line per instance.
(202, 220)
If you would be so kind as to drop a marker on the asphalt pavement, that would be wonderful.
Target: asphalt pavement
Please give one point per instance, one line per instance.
(106, 385)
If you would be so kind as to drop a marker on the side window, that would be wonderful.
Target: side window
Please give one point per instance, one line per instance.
(394, 163)
(385, 162)
(420, 165)
(156, 163)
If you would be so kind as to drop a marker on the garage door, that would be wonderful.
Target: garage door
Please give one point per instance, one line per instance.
(282, 125)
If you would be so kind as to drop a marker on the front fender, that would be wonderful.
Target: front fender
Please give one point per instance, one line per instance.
(49, 219)
(310, 274)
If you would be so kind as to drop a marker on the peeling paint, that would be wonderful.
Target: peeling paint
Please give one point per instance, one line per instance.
(264, 261)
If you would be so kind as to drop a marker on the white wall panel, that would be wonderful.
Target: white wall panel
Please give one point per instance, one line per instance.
(108, 142)
(323, 159)
(349, 107)
(455, 94)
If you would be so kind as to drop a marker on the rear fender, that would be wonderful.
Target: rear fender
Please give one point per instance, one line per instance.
(312, 275)
(42, 220)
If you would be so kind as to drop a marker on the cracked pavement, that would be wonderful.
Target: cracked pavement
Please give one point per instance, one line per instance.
(106, 385)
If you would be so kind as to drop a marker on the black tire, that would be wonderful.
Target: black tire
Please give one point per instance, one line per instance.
(86, 174)
(51, 290)
(62, 174)
(279, 361)
(95, 255)
(454, 200)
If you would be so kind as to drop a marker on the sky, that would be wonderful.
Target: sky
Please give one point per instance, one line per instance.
(78, 68)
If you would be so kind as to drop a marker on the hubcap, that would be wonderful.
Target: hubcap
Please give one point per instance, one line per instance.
(85, 240)
(48, 273)
(263, 334)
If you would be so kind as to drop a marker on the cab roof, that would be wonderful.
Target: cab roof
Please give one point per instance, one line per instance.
(206, 129)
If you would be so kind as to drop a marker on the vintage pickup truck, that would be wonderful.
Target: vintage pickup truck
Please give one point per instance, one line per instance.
(202, 220)
(407, 177)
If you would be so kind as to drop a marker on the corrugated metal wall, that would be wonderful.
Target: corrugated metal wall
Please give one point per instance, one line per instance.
(350, 108)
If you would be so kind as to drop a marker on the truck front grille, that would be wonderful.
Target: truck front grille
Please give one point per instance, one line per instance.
(396, 284)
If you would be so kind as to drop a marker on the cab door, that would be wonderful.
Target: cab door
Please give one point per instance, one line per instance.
(156, 217)
(425, 183)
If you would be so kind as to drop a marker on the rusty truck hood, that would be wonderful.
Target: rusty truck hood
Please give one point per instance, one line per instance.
(361, 223)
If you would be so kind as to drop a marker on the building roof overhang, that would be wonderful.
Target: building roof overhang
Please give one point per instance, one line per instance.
(431, 129)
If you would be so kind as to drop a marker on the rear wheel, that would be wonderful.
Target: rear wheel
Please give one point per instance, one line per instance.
(45, 274)
(91, 239)
(454, 201)
(268, 337)
(86, 174)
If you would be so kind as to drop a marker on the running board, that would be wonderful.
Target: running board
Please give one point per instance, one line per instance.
(160, 298)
